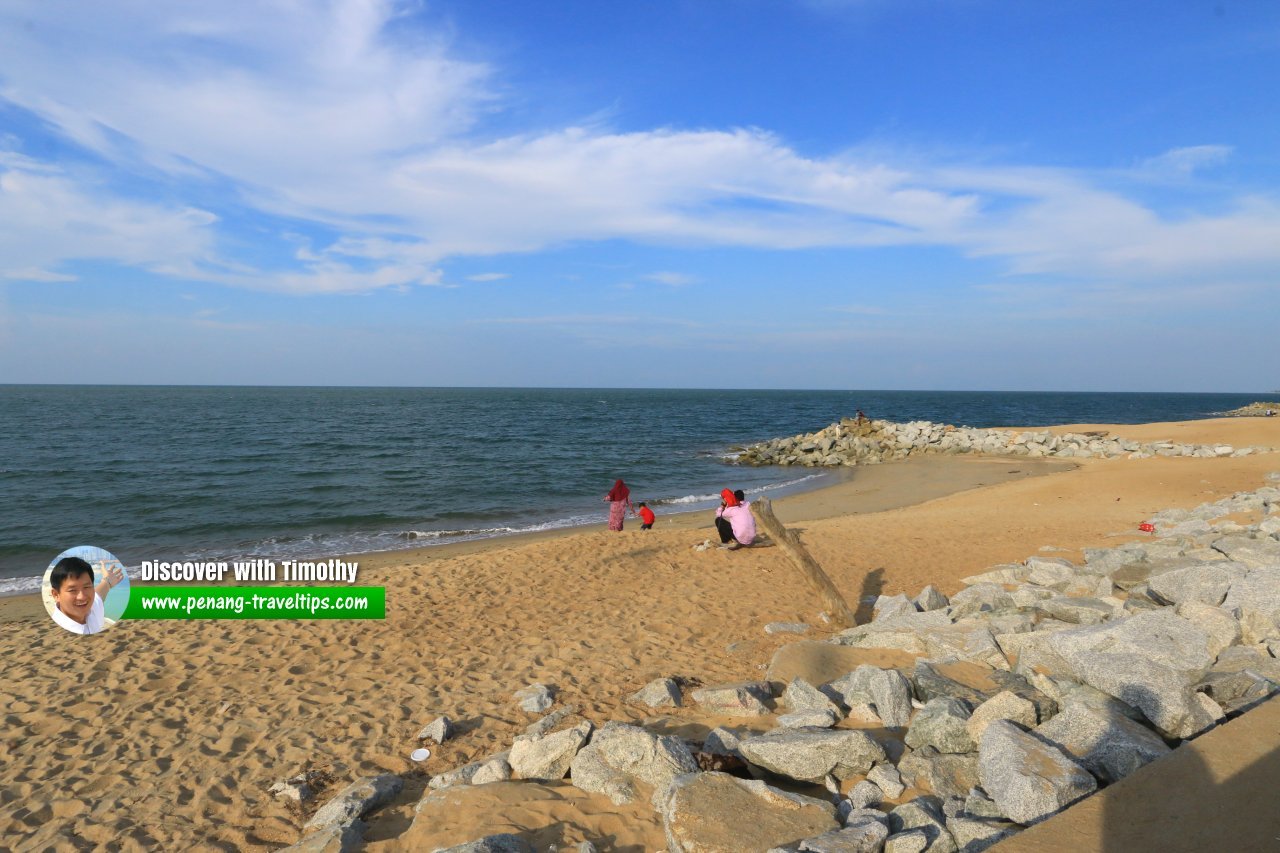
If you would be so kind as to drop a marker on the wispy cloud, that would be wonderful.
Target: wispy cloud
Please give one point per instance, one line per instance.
(489, 276)
(589, 320)
(673, 279)
(346, 119)
(1184, 161)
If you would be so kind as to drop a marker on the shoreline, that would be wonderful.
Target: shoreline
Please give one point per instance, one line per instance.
(869, 489)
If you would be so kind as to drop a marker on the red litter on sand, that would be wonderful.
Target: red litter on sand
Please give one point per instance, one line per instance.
(1147, 527)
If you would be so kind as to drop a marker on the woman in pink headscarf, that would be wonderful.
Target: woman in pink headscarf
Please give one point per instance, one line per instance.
(619, 499)
(734, 522)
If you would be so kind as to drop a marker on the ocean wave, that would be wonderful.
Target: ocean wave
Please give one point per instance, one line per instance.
(693, 499)
(19, 586)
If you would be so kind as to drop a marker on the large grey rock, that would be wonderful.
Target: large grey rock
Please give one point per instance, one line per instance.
(1107, 744)
(974, 834)
(547, 757)
(941, 724)
(1072, 692)
(923, 813)
(1242, 677)
(494, 770)
(887, 689)
(547, 724)
(721, 741)
(911, 841)
(864, 794)
(502, 842)
(887, 778)
(355, 801)
(1164, 695)
(863, 837)
(1051, 571)
(1028, 779)
(335, 838)
(1080, 611)
(1221, 626)
(978, 804)
(734, 700)
(930, 599)
(821, 719)
(964, 641)
(1206, 583)
(890, 606)
(1255, 599)
(999, 575)
(979, 598)
(659, 693)
(854, 817)
(800, 695)
(632, 753)
(588, 772)
(945, 775)
(706, 812)
(1005, 705)
(1105, 561)
(1254, 553)
(1159, 636)
(811, 754)
(974, 684)
(465, 774)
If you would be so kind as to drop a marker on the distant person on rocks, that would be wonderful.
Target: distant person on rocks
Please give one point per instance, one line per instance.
(862, 419)
(646, 516)
(734, 522)
(619, 499)
(77, 603)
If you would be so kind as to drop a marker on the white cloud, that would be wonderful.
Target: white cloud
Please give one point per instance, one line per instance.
(673, 279)
(1184, 161)
(347, 115)
(489, 276)
(48, 218)
(37, 274)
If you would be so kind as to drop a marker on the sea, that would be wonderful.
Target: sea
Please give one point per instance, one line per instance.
(222, 473)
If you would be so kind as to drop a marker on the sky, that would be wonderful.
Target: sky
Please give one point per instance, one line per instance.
(827, 194)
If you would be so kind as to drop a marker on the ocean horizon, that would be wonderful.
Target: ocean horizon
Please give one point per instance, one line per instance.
(166, 472)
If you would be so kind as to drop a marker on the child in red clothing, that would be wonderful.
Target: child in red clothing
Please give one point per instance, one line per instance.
(646, 516)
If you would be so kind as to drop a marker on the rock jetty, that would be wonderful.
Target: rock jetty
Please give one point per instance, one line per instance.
(1037, 684)
(848, 442)
(1253, 410)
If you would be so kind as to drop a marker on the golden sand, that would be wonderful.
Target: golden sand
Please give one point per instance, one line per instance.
(168, 734)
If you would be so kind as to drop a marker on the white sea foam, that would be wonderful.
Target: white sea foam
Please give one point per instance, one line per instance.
(19, 586)
(694, 499)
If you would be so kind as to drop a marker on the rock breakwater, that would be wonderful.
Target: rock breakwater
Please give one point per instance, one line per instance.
(849, 442)
(1253, 410)
(1037, 684)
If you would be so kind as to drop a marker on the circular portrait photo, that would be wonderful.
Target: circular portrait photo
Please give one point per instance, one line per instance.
(85, 589)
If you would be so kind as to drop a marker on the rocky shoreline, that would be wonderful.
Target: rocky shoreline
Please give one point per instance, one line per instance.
(1253, 410)
(1033, 687)
(870, 442)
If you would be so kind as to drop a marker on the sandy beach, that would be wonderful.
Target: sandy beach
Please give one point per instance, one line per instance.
(168, 734)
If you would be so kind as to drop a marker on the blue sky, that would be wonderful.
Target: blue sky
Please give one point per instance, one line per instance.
(864, 194)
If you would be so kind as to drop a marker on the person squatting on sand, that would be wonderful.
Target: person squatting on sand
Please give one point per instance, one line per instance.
(77, 604)
(736, 525)
(619, 499)
(646, 516)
